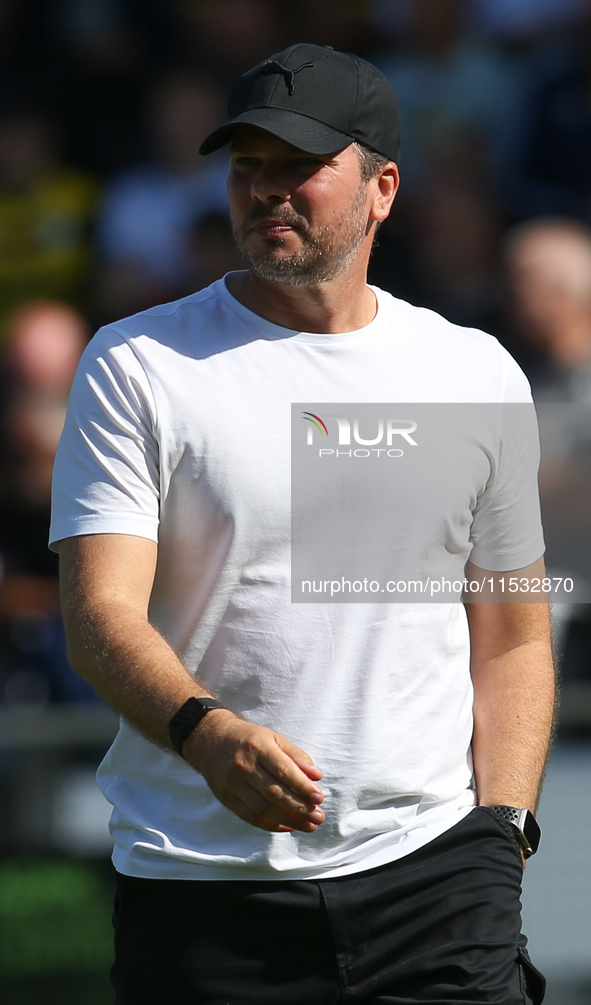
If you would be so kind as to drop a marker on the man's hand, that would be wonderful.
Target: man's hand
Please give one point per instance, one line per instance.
(258, 774)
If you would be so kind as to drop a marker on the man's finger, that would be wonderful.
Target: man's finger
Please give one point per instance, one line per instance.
(252, 807)
(269, 792)
(284, 770)
(300, 757)
(251, 816)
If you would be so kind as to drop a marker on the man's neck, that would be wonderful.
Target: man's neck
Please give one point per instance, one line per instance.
(343, 304)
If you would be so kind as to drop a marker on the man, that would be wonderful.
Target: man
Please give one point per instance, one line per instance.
(316, 840)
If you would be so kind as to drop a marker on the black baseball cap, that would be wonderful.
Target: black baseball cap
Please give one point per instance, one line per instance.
(317, 99)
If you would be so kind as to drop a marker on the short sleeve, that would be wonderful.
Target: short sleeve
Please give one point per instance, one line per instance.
(507, 527)
(106, 476)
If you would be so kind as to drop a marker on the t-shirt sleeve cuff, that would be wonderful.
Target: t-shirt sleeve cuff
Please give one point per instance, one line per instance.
(493, 562)
(136, 527)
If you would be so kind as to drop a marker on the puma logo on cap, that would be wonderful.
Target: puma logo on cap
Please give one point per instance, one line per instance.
(273, 66)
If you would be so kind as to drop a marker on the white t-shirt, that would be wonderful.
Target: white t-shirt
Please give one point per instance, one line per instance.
(178, 431)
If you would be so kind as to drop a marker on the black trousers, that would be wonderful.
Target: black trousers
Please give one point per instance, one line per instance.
(441, 925)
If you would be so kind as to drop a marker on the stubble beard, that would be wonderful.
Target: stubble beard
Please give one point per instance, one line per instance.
(322, 255)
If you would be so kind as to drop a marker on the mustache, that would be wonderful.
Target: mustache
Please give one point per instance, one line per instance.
(283, 214)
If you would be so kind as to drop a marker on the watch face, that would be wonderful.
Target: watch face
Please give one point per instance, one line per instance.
(531, 830)
(523, 824)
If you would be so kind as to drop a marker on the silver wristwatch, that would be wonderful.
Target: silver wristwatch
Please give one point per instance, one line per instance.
(524, 825)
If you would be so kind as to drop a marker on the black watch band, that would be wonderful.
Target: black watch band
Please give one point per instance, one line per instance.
(187, 718)
(524, 826)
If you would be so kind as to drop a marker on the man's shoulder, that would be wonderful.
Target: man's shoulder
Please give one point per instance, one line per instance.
(167, 314)
(194, 328)
(430, 323)
(177, 323)
(467, 360)
(165, 332)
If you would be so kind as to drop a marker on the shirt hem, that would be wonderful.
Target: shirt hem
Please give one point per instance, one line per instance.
(412, 841)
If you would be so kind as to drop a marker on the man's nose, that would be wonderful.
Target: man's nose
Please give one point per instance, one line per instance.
(270, 184)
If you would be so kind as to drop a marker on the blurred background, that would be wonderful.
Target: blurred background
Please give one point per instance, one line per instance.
(106, 208)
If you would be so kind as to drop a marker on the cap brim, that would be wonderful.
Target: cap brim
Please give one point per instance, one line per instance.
(299, 130)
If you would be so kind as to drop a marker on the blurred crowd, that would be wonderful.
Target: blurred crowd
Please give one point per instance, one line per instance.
(106, 208)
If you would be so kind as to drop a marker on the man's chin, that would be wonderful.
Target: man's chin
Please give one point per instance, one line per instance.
(288, 271)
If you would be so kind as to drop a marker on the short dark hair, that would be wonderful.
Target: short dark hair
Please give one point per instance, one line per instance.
(370, 162)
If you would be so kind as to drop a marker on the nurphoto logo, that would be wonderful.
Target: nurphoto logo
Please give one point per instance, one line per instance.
(385, 431)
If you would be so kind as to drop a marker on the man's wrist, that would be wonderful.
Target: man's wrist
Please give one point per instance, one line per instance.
(523, 825)
(185, 721)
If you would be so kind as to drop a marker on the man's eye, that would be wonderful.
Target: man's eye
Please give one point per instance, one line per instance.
(244, 161)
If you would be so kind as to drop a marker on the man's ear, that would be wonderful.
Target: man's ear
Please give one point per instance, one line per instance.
(386, 185)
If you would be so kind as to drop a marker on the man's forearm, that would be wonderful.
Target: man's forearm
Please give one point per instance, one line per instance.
(131, 666)
(514, 699)
(258, 774)
(111, 642)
